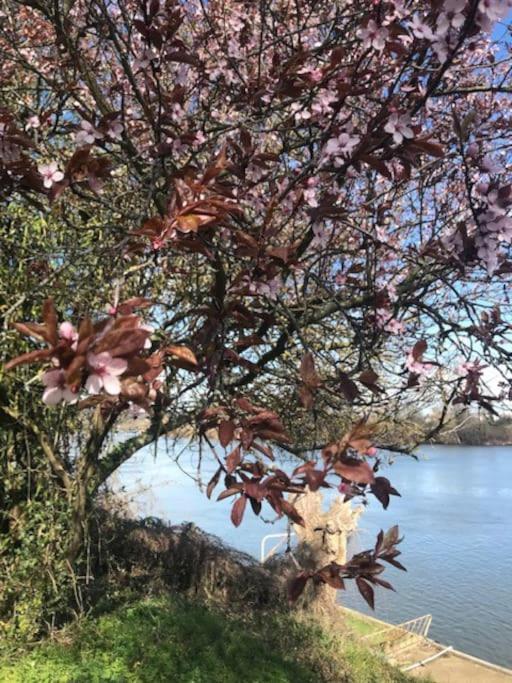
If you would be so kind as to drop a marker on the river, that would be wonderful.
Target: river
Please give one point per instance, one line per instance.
(455, 514)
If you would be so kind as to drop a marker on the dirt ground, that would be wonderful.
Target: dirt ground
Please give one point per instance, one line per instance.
(450, 668)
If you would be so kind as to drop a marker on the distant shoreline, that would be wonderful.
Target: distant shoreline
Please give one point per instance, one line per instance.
(140, 424)
(493, 442)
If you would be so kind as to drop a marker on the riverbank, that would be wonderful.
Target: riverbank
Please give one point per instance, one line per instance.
(170, 639)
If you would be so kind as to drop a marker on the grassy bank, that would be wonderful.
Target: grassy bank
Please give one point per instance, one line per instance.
(170, 640)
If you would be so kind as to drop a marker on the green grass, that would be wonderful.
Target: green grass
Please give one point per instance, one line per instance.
(359, 625)
(168, 640)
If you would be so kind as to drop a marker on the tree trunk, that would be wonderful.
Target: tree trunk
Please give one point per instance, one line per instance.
(324, 540)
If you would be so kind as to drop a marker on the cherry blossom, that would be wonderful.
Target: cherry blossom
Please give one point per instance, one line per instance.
(373, 36)
(115, 130)
(494, 9)
(469, 367)
(322, 233)
(341, 146)
(441, 47)
(50, 173)
(310, 193)
(87, 134)
(399, 127)
(56, 388)
(421, 30)
(69, 334)
(416, 366)
(105, 373)
(451, 17)
(385, 321)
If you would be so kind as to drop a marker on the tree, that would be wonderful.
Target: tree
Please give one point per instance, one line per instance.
(314, 198)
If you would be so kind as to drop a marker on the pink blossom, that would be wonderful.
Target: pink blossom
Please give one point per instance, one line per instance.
(385, 321)
(494, 9)
(418, 367)
(115, 130)
(373, 36)
(310, 194)
(322, 104)
(451, 17)
(441, 48)
(87, 134)
(199, 139)
(421, 30)
(342, 145)
(69, 334)
(50, 173)
(468, 368)
(106, 371)
(56, 388)
(399, 127)
(395, 326)
(323, 235)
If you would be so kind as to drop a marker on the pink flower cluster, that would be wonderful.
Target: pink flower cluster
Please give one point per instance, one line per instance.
(417, 367)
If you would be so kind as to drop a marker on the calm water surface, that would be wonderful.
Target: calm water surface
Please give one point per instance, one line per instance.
(455, 514)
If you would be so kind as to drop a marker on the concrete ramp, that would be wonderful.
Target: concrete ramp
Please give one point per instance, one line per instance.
(408, 647)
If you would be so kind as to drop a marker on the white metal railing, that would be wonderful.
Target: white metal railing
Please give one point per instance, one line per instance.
(282, 537)
(427, 660)
(419, 627)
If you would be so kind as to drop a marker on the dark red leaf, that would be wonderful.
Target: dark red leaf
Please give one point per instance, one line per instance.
(355, 470)
(32, 330)
(306, 397)
(213, 483)
(182, 353)
(419, 349)
(382, 582)
(382, 490)
(122, 342)
(315, 478)
(30, 357)
(394, 562)
(348, 387)
(308, 372)
(369, 379)
(226, 432)
(238, 509)
(233, 460)
(231, 491)
(256, 506)
(290, 511)
(296, 586)
(50, 320)
(366, 591)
